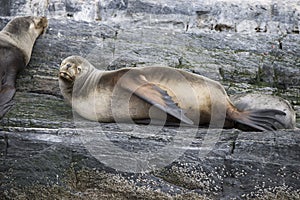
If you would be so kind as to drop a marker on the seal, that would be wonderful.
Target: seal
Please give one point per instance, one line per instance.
(17, 39)
(151, 94)
(250, 101)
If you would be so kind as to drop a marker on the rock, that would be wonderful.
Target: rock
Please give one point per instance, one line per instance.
(5, 8)
(235, 165)
(248, 46)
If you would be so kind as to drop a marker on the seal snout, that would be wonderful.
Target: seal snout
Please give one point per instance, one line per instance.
(65, 72)
(65, 75)
(42, 23)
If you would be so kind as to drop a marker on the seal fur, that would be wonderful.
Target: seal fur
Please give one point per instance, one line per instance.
(17, 39)
(144, 94)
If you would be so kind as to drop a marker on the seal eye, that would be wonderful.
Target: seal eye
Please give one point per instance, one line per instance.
(68, 66)
(79, 69)
(40, 24)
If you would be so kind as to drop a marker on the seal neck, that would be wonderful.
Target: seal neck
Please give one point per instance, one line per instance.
(87, 82)
(22, 39)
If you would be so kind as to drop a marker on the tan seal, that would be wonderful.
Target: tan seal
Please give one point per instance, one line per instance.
(16, 42)
(154, 94)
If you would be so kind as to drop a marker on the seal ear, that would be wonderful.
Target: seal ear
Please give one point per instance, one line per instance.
(79, 69)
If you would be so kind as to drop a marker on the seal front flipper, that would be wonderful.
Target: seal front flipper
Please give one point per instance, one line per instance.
(153, 94)
(6, 95)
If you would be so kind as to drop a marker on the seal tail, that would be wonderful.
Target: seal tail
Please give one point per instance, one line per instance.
(258, 120)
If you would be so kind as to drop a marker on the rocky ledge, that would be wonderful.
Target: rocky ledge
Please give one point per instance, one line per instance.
(45, 152)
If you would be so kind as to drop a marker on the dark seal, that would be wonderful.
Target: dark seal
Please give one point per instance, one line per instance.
(16, 42)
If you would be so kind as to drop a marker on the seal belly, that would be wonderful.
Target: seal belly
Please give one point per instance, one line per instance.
(94, 107)
(126, 106)
(11, 62)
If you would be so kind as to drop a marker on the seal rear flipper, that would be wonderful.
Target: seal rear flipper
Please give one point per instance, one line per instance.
(260, 120)
(154, 95)
(6, 95)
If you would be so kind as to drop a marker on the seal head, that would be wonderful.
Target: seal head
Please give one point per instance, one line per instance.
(22, 32)
(76, 76)
(72, 68)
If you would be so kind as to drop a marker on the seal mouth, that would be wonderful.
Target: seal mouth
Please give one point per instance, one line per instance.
(66, 76)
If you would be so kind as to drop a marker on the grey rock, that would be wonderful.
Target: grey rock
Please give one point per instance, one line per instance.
(236, 165)
(247, 46)
(5, 8)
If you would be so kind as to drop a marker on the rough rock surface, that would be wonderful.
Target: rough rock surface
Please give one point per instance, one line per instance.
(248, 46)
